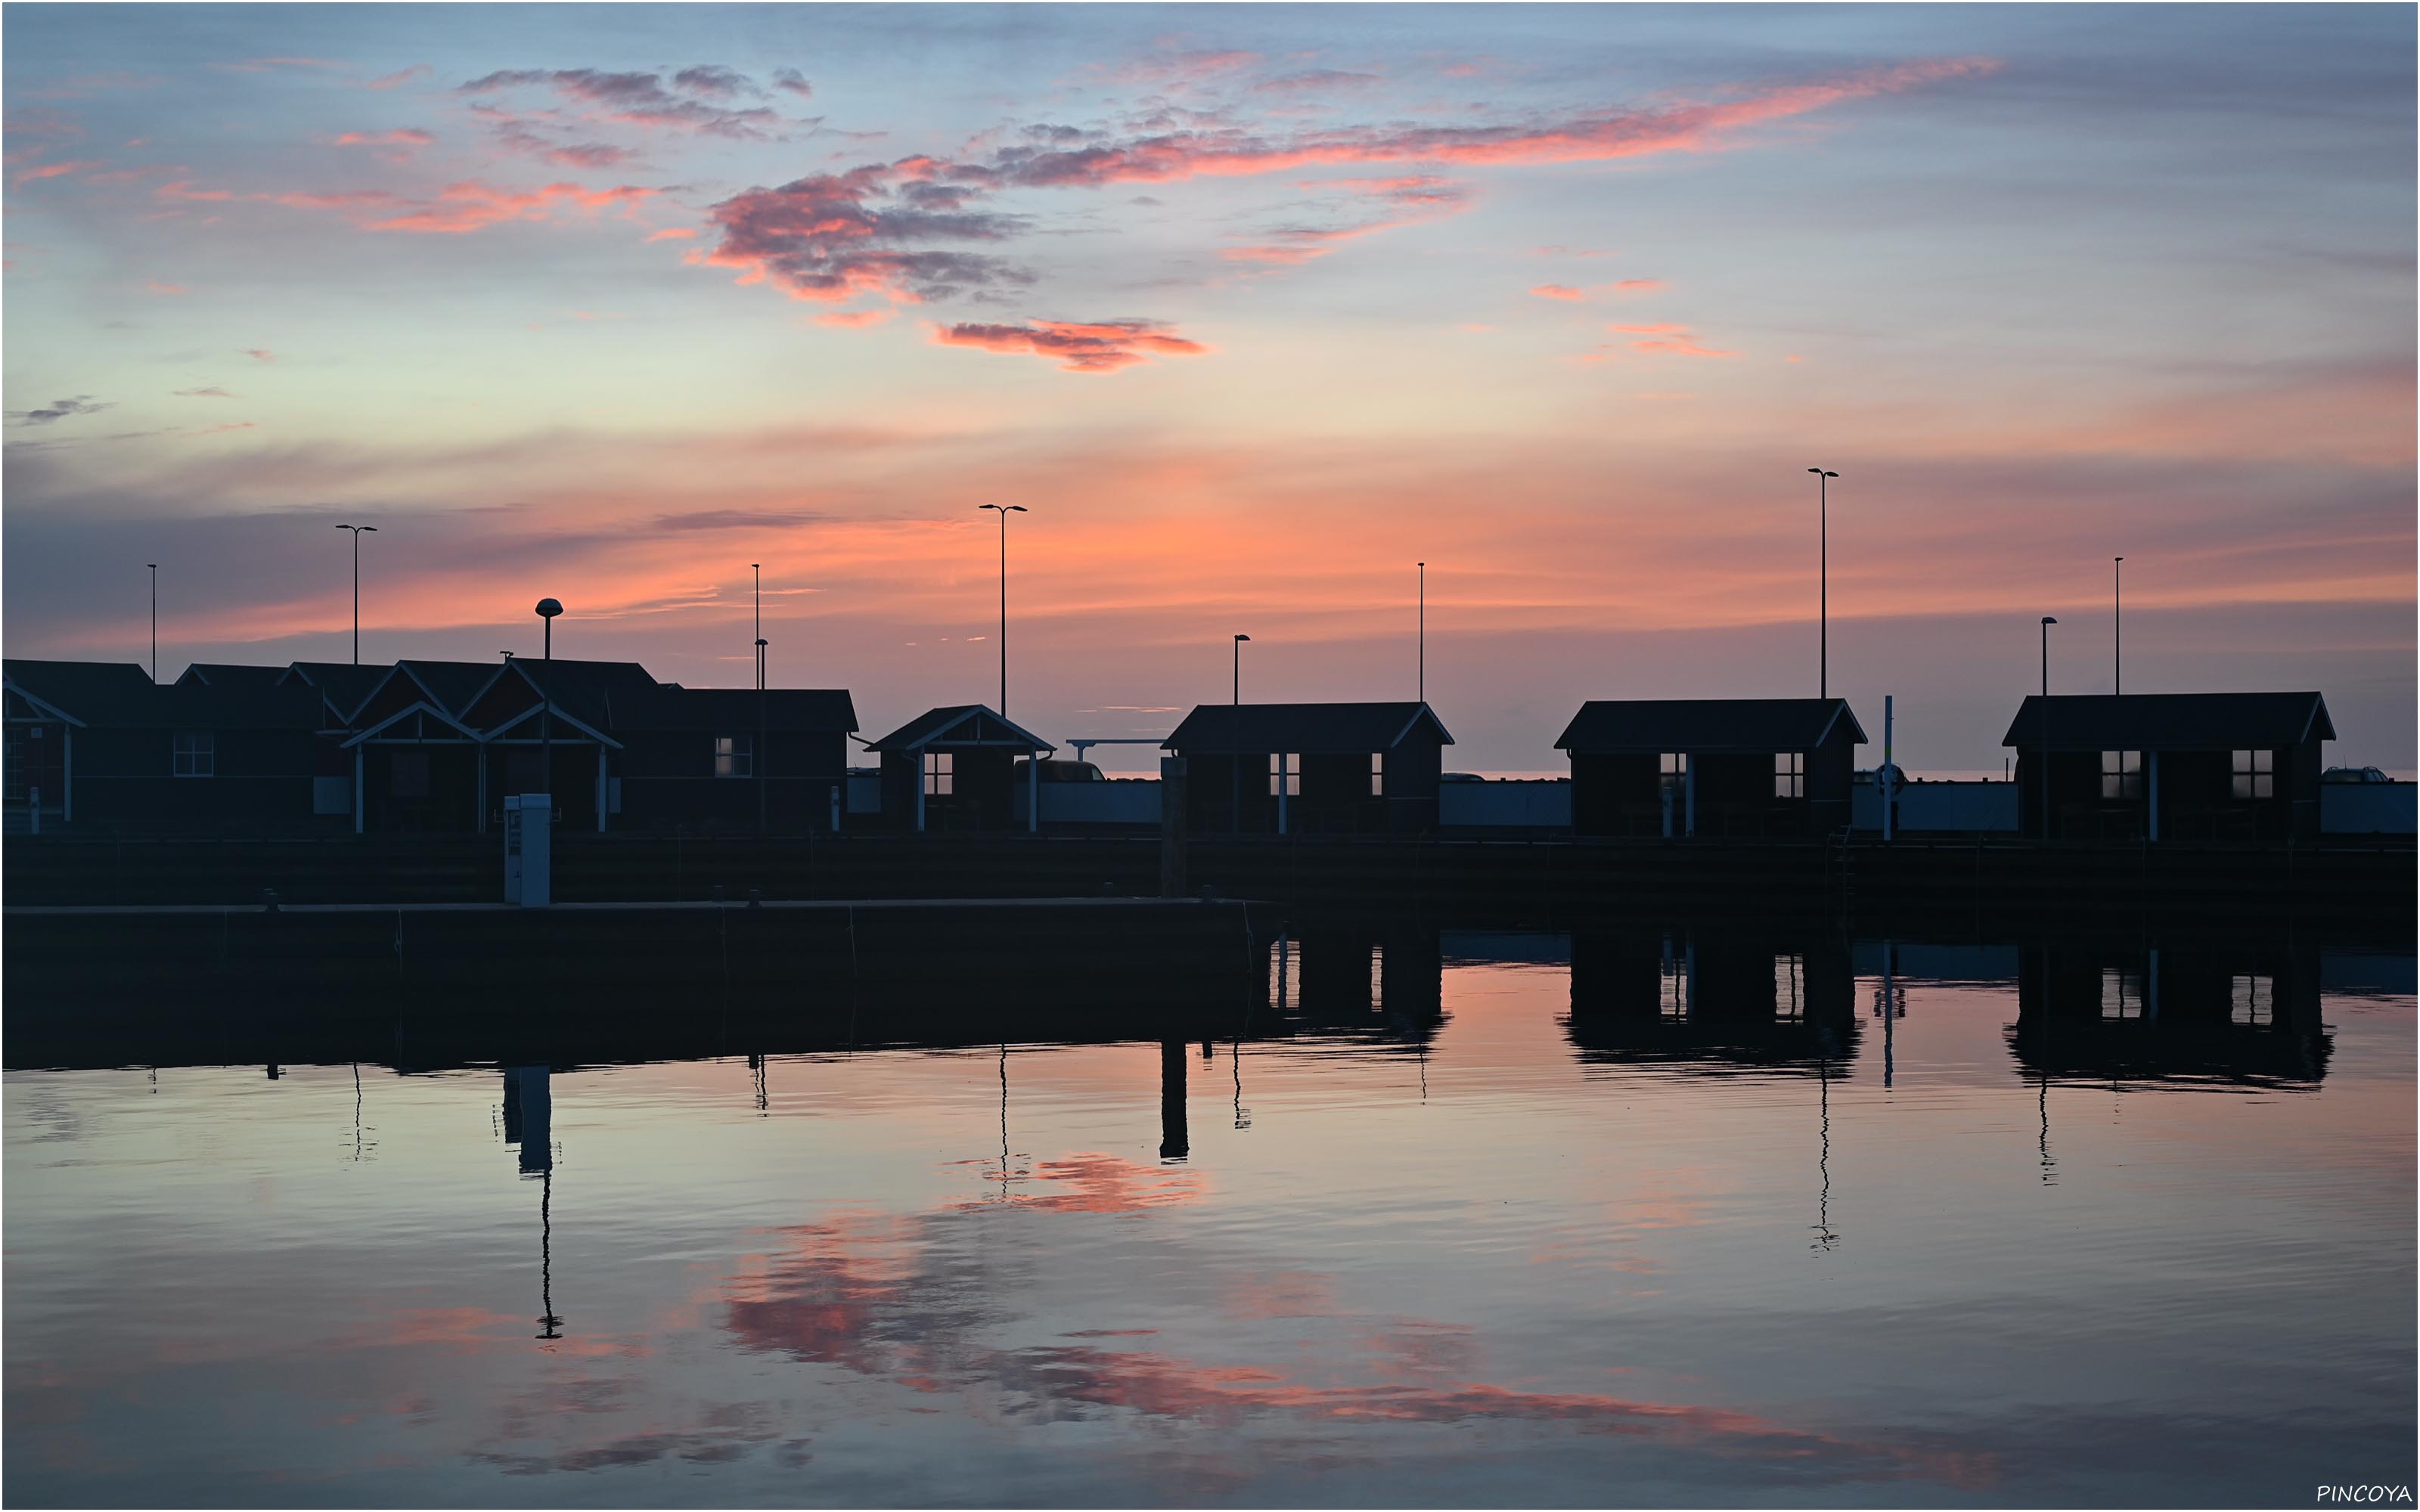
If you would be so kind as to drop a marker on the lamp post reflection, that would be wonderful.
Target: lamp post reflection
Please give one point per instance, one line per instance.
(529, 1116)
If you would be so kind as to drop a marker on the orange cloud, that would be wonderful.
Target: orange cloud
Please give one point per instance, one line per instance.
(674, 233)
(402, 137)
(1558, 291)
(855, 319)
(1081, 347)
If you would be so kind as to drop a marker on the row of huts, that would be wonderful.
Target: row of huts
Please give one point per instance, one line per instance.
(435, 745)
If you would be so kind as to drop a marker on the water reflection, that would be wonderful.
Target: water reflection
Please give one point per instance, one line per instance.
(1659, 1224)
(2237, 1011)
(1713, 1000)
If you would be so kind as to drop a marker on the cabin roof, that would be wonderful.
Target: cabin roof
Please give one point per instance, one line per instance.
(87, 692)
(730, 710)
(1624, 726)
(2172, 721)
(958, 726)
(231, 674)
(1314, 729)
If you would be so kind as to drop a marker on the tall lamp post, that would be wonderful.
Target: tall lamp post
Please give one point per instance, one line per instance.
(357, 530)
(1004, 511)
(1823, 581)
(2117, 625)
(758, 568)
(1424, 632)
(546, 610)
(155, 621)
(2046, 623)
(1235, 727)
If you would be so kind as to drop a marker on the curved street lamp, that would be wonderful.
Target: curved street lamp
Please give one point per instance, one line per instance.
(1004, 510)
(359, 530)
(1235, 727)
(1823, 581)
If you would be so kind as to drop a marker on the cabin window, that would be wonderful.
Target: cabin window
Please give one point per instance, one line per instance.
(2256, 774)
(1285, 776)
(1673, 991)
(1789, 773)
(2121, 995)
(1377, 773)
(734, 756)
(193, 753)
(1790, 989)
(2254, 1000)
(1674, 770)
(2121, 775)
(407, 774)
(940, 777)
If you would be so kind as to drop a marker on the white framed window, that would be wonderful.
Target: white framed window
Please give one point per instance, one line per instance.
(2256, 774)
(734, 756)
(2121, 993)
(2121, 775)
(1377, 773)
(1672, 770)
(1285, 776)
(2252, 1000)
(941, 775)
(1789, 773)
(193, 753)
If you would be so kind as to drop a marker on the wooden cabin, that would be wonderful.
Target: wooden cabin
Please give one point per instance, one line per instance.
(1312, 768)
(2236, 768)
(1737, 768)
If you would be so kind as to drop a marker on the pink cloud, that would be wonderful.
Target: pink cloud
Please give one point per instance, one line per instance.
(55, 170)
(1637, 286)
(1558, 291)
(1691, 126)
(1081, 347)
(1659, 329)
(402, 136)
(158, 288)
(674, 233)
(458, 209)
(260, 354)
(855, 319)
(398, 78)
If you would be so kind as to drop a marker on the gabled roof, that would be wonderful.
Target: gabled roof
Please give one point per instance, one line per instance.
(86, 693)
(346, 686)
(2173, 721)
(592, 691)
(231, 674)
(959, 726)
(422, 706)
(1318, 728)
(121, 696)
(732, 710)
(1749, 726)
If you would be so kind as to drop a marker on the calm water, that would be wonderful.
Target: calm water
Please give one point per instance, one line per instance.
(1492, 1250)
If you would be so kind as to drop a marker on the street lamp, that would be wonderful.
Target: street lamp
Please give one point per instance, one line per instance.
(357, 530)
(1823, 581)
(2046, 623)
(2117, 625)
(1424, 632)
(1004, 511)
(758, 568)
(155, 622)
(1236, 800)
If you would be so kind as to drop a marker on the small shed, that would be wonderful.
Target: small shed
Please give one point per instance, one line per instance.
(2239, 767)
(733, 759)
(1305, 768)
(111, 751)
(953, 768)
(1734, 767)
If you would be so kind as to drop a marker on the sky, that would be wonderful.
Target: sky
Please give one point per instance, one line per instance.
(1253, 310)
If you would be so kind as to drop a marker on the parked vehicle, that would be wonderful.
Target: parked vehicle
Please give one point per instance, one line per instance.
(1062, 771)
(2354, 774)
